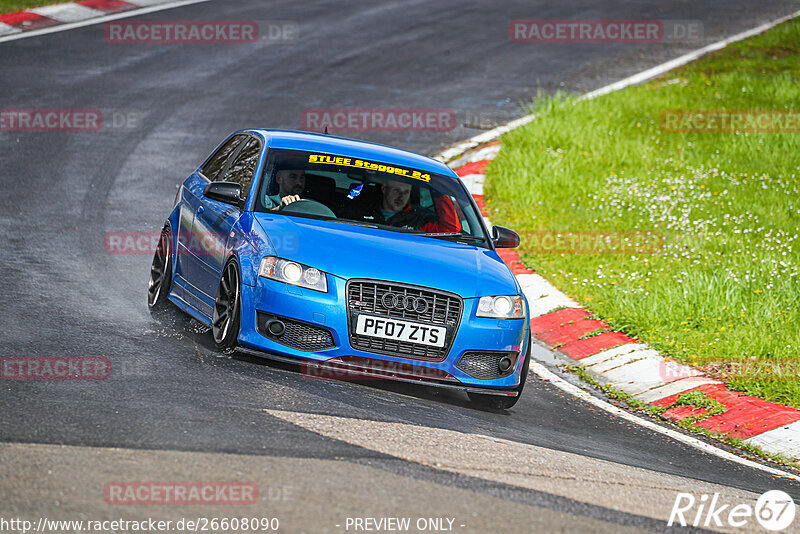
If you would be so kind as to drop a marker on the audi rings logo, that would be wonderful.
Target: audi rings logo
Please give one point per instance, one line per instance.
(404, 302)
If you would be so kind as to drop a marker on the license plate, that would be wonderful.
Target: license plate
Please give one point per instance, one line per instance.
(424, 334)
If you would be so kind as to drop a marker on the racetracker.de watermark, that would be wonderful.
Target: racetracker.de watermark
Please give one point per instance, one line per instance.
(55, 368)
(358, 370)
(730, 121)
(378, 120)
(43, 120)
(200, 32)
(604, 31)
(145, 243)
(181, 493)
(51, 120)
(593, 242)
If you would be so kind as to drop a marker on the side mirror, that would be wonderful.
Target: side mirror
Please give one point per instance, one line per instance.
(227, 192)
(504, 238)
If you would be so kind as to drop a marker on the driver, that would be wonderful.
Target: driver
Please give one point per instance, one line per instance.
(395, 210)
(291, 183)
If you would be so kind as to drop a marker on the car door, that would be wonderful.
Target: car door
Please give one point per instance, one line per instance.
(214, 220)
(188, 246)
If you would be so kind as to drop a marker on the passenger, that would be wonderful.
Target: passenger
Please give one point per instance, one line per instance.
(291, 183)
(395, 210)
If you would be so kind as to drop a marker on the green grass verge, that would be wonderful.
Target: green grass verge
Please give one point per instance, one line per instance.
(723, 292)
(11, 6)
(697, 399)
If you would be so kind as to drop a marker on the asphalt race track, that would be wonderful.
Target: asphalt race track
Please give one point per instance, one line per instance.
(320, 451)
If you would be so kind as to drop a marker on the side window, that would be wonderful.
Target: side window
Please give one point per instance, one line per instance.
(220, 158)
(242, 170)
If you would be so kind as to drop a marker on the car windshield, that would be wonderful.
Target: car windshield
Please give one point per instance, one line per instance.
(366, 192)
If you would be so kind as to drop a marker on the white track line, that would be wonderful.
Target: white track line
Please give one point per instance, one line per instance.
(684, 59)
(643, 76)
(98, 20)
(542, 372)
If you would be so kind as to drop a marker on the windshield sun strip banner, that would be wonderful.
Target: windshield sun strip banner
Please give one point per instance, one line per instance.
(342, 161)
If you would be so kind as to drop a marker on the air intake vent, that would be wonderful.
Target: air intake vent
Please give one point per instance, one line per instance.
(296, 334)
(487, 365)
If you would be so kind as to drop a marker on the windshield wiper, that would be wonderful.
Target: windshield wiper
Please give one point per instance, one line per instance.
(456, 237)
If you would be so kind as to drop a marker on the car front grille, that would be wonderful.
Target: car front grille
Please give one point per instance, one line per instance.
(372, 296)
(297, 335)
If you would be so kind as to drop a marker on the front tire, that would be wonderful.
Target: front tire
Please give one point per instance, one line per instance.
(160, 281)
(227, 308)
(496, 402)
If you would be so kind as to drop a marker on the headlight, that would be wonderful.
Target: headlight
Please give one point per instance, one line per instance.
(502, 307)
(293, 273)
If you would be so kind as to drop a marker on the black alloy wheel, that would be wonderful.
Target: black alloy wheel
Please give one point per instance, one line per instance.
(227, 306)
(160, 272)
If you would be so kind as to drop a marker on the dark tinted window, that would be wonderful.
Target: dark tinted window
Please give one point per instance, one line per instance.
(243, 169)
(373, 193)
(220, 158)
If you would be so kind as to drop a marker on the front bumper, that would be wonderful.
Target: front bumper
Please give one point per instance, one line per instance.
(329, 311)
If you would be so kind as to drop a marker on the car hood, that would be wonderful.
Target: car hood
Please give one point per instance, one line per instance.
(350, 251)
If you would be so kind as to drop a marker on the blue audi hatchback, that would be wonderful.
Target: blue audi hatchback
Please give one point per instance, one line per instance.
(354, 259)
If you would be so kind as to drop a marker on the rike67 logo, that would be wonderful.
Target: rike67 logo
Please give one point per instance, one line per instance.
(774, 511)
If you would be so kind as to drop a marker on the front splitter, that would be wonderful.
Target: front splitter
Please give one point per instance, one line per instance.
(357, 371)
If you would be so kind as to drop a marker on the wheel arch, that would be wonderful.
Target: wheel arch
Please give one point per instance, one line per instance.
(247, 262)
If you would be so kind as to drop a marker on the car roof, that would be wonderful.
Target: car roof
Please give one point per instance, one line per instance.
(342, 146)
